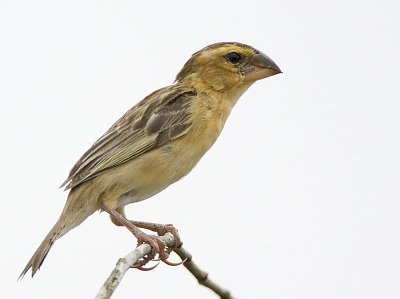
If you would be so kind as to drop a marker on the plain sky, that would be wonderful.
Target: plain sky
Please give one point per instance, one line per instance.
(298, 198)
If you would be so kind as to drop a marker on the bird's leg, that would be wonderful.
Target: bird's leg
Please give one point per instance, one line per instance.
(157, 245)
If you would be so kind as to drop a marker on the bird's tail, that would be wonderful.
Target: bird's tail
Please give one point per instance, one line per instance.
(40, 254)
(78, 207)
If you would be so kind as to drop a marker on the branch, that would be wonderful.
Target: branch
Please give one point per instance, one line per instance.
(129, 260)
(200, 275)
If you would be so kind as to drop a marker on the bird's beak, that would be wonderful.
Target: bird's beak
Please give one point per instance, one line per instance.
(260, 66)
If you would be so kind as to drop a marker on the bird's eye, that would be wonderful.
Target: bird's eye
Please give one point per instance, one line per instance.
(233, 57)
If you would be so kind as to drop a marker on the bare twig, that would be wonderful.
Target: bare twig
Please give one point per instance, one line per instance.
(201, 276)
(129, 260)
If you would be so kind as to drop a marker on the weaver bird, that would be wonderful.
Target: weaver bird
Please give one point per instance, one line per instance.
(157, 142)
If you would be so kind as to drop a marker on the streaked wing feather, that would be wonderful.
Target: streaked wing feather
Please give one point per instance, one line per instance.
(160, 117)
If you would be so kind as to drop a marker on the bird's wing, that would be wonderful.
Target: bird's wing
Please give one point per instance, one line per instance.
(159, 118)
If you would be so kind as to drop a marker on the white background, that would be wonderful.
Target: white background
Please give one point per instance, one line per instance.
(299, 197)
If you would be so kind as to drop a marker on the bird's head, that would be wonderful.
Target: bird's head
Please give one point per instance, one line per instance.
(227, 66)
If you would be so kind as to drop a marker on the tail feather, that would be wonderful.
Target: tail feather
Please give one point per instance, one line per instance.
(78, 207)
(40, 254)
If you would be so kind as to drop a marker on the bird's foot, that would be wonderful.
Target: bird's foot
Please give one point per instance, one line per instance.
(160, 229)
(158, 247)
(164, 251)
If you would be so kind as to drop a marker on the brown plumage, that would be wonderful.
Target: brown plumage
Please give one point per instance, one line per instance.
(160, 139)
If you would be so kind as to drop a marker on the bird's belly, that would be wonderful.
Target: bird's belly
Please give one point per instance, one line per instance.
(156, 170)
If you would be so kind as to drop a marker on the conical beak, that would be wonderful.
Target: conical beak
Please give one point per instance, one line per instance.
(260, 66)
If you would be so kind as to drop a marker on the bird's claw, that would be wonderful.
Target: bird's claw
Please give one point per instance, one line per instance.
(145, 269)
(156, 244)
(160, 229)
(158, 247)
(169, 228)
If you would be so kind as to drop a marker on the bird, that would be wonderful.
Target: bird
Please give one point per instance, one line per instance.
(157, 142)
